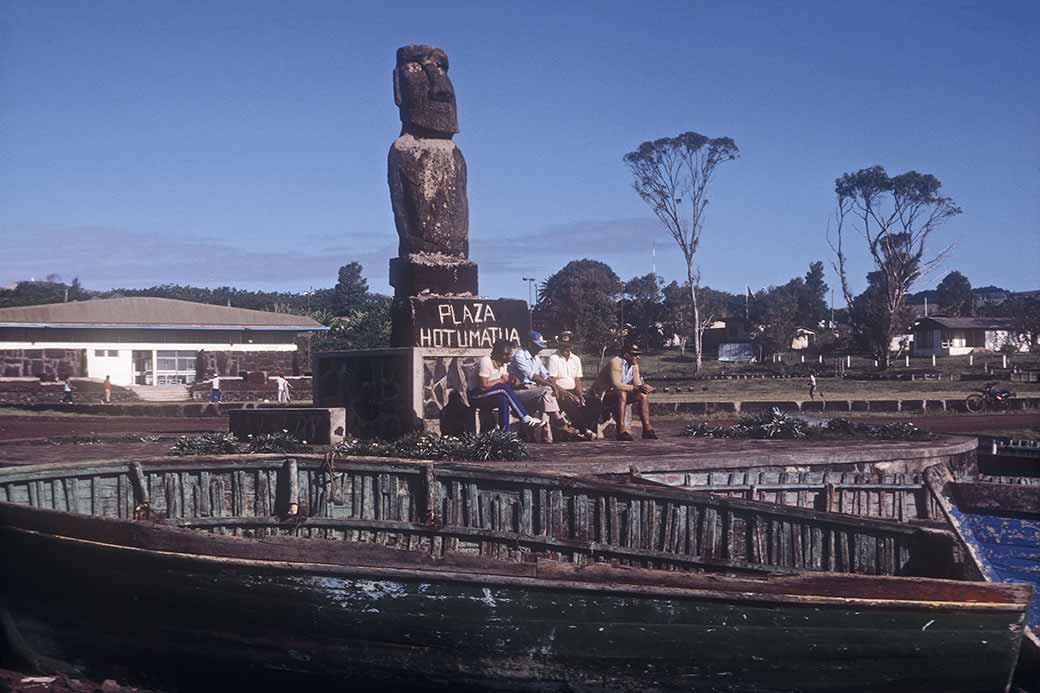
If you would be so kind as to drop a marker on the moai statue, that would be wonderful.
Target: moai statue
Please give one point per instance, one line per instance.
(427, 177)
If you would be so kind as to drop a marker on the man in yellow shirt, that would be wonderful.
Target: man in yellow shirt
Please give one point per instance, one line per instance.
(619, 384)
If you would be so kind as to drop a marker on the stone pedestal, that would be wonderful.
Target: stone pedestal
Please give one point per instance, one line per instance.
(451, 322)
(317, 426)
(391, 392)
(418, 274)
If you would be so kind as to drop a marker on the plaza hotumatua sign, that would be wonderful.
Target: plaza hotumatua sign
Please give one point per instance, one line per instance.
(460, 323)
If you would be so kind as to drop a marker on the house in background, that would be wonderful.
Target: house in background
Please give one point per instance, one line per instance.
(941, 336)
(728, 339)
(150, 341)
(803, 339)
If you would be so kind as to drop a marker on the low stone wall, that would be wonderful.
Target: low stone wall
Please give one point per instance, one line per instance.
(46, 364)
(138, 408)
(233, 363)
(317, 426)
(34, 391)
(252, 390)
(670, 405)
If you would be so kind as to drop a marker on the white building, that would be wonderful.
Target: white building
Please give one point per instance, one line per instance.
(150, 341)
(944, 336)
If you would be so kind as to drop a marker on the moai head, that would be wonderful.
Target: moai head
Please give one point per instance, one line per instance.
(424, 93)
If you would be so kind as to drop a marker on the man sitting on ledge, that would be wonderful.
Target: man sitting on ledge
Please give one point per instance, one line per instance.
(619, 384)
(493, 387)
(534, 388)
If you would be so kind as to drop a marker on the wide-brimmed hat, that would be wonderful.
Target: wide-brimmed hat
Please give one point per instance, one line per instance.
(536, 337)
(565, 338)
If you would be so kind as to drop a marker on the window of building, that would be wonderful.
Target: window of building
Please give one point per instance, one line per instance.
(175, 367)
(113, 353)
(99, 352)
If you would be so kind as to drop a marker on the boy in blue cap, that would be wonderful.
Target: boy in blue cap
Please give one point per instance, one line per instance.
(534, 388)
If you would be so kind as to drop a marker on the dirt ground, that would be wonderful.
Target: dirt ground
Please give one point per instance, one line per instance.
(41, 439)
(48, 426)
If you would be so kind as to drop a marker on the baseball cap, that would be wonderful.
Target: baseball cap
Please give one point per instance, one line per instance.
(537, 338)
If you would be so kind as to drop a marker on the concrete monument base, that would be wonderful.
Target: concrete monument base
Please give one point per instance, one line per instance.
(388, 393)
(417, 274)
(326, 426)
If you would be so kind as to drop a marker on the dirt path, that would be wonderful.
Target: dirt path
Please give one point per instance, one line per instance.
(43, 426)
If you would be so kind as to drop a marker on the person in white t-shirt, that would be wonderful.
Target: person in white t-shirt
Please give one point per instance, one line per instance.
(565, 372)
(494, 387)
(283, 388)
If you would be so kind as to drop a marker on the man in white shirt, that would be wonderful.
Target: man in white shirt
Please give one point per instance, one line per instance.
(283, 388)
(565, 372)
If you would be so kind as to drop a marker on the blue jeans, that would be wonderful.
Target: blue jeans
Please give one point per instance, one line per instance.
(501, 396)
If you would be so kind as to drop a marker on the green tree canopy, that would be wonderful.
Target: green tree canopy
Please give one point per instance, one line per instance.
(351, 288)
(954, 294)
(775, 312)
(582, 297)
(812, 301)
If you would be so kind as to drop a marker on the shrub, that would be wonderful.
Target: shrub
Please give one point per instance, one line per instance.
(779, 426)
(206, 444)
(490, 445)
(283, 441)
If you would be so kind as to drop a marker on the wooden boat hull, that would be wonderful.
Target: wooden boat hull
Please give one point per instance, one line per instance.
(122, 608)
(351, 601)
(999, 524)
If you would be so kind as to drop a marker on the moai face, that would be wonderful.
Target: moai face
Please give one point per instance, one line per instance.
(423, 91)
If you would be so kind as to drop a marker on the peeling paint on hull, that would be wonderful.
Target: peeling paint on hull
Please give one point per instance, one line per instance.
(139, 613)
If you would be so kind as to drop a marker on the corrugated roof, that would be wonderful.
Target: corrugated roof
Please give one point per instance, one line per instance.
(151, 312)
(970, 323)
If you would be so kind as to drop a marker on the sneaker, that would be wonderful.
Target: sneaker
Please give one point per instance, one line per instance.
(533, 422)
(625, 436)
(649, 434)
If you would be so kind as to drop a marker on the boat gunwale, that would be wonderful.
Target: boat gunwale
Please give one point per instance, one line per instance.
(448, 471)
(161, 539)
(937, 478)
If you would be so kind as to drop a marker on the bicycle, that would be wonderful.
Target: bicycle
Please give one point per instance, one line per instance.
(989, 397)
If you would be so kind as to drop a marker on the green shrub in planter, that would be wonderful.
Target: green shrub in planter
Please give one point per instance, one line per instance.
(206, 444)
(282, 441)
(488, 446)
(780, 426)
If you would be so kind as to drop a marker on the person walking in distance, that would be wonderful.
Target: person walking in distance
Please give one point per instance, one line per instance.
(66, 396)
(108, 389)
(215, 394)
(812, 386)
(283, 389)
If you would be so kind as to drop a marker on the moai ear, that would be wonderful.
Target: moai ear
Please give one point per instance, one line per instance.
(397, 89)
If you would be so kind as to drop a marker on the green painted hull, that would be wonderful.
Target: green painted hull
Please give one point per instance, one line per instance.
(165, 619)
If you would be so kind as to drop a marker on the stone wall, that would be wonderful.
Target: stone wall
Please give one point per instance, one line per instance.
(45, 364)
(313, 425)
(33, 391)
(233, 363)
(376, 387)
(253, 389)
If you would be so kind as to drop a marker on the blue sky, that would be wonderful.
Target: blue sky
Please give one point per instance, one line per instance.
(245, 143)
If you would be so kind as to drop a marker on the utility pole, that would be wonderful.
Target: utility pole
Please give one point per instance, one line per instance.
(530, 301)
